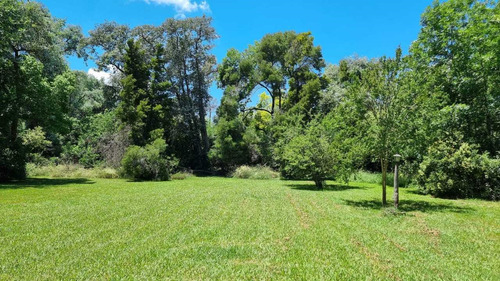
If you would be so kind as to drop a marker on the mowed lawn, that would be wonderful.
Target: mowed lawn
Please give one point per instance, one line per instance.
(221, 228)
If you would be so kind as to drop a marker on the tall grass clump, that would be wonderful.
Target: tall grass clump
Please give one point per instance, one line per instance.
(70, 171)
(376, 178)
(181, 175)
(256, 173)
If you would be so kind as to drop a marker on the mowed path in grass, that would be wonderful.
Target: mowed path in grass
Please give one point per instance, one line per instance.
(220, 228)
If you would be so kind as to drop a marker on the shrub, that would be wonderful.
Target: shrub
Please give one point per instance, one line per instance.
(35, 144)
(458, 170)
(309, 156)
(148, 162)
(257, 172)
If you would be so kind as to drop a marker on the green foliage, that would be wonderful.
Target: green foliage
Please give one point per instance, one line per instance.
(135, 104)
(230, 148)
(12, 161)
(89, 142)
(256, 172)
(32, 78)
(457, 51)
(148, 162)
(274, 61)
(35, 144)
(309, 154)
(88, 97)
(167, 70)
(457, 170)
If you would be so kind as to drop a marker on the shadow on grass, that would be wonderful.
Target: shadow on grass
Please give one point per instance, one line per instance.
(329, 187)
(42, 183)
(409, 206)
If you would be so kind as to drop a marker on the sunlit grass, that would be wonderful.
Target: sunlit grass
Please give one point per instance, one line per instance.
(225, 228)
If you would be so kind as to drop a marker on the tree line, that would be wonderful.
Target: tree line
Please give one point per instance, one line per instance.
(438, 106)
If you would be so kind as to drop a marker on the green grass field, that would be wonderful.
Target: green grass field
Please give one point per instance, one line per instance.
(222, 228)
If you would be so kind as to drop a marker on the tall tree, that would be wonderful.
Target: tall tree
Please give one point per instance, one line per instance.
(285, 64)
(135, 104)
(31, 57)
(190, 70)
(458, 50)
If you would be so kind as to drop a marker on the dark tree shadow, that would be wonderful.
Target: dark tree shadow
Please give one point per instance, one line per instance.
(416, 191)
(42, 183)
(410, 205)
(328, 187)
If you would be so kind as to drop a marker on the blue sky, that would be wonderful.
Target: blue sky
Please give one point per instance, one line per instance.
(368, 28)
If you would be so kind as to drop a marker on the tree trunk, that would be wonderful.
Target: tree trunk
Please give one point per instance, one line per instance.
(17, 104)
(383, 162)
(202, 112)
(272, 105)
(318, 183)
(280, 102)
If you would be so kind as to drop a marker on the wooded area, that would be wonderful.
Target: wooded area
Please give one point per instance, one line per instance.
(438, 106)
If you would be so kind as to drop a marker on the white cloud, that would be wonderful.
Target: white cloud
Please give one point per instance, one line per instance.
(105, 76)
(183, 6)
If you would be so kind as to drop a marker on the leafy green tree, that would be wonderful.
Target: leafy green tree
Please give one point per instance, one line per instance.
(377, 98)
(309, 154)
(31, 57)
(35, 143)
(135, 104)
(190, 71)
(230, 147)
(339, 78)
(107, 44)
(457, 50)
(276, 61)
(456, 169)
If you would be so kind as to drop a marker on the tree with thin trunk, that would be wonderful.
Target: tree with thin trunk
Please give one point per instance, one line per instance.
(378, 94)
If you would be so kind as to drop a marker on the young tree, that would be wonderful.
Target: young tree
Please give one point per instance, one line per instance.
(377, 93)
(230, 148)
(309, 153)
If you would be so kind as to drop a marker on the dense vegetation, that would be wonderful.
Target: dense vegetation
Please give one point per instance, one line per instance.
(438, 106)
(237, 229)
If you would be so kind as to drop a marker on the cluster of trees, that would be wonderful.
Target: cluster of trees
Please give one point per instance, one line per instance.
(438, 106)
(158, 90)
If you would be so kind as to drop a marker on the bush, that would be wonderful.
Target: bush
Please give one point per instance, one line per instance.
(257, 173)
(35, 144)
(69, 171)
(148, 162)
(309, 155)
(459, 171)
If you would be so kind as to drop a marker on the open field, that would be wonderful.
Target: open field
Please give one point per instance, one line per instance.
(222, 228)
